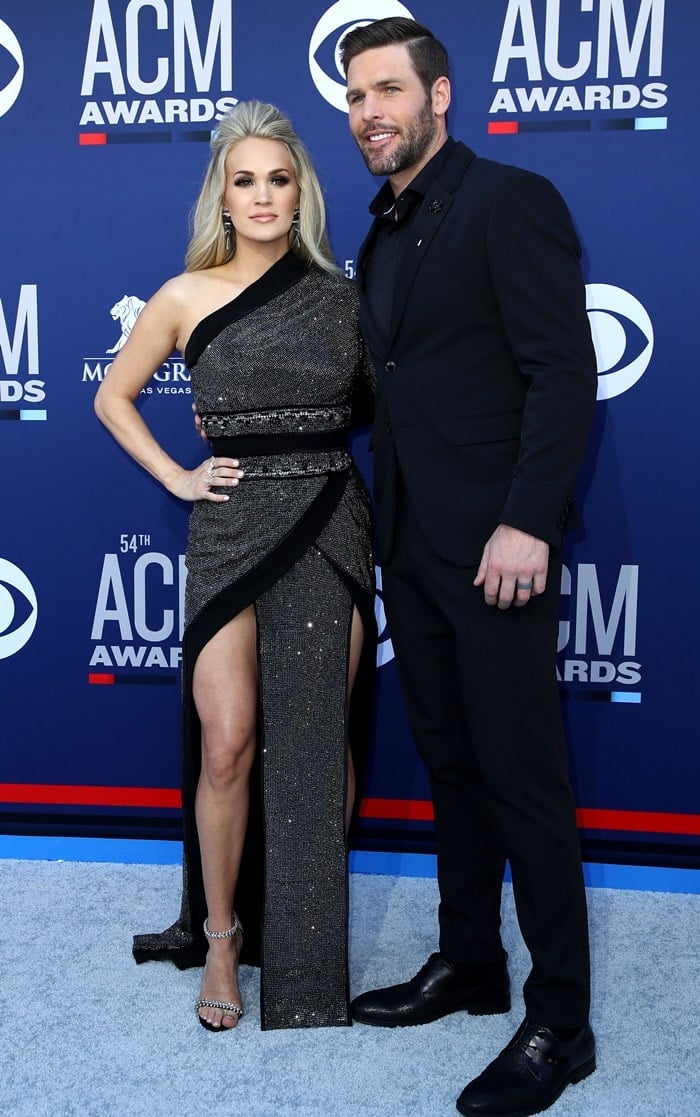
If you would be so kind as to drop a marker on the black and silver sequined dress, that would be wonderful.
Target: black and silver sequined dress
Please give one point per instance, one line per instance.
(274, 373)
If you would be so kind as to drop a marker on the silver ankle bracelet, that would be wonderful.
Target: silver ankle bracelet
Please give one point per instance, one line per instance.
(233, 930)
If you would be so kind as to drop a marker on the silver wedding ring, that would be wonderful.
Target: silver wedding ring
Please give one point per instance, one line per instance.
(523, 585)
(210, 470)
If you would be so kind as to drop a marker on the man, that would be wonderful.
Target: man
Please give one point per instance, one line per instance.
(473, 307)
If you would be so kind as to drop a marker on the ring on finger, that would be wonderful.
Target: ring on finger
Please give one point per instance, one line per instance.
(210, 470)
(523, 585)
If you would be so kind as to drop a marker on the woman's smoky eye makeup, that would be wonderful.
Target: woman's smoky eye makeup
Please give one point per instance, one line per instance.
(275, 180)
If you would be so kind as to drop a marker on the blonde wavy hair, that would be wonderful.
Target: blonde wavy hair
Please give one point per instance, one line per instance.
(255, 119)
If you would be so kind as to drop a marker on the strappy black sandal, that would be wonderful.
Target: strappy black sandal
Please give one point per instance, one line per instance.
(227, 1007)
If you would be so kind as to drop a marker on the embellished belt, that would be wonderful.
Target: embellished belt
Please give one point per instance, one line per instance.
(286, 454)
(288, 442)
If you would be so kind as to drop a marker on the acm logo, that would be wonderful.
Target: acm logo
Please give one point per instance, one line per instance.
(597, 643)
(148, 56)
(138, 619)
(327, 74)
(20, 382)
(603, 52)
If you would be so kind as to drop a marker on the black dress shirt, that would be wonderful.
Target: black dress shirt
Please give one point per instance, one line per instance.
(394, 219)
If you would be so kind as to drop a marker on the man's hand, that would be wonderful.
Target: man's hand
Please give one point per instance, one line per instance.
(513, 567)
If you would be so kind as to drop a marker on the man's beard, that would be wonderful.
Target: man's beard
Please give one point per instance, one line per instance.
(417, 138)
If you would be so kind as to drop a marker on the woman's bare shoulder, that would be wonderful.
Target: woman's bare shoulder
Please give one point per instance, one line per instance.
(181, 288)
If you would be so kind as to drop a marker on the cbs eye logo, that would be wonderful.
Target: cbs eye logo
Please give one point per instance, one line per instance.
(623, 337)
(18, 609)
(327, 34)
(9, 44)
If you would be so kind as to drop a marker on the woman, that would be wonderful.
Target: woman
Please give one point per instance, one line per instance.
(278, 610)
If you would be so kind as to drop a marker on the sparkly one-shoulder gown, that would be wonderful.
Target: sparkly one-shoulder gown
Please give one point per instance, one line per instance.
(274, 373)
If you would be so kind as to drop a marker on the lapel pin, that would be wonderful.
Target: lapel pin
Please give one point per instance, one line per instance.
(435, 206)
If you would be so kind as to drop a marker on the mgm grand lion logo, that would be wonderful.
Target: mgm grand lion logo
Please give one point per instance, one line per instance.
(126, 311)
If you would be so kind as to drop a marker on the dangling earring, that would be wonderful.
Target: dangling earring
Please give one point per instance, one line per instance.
(295, 231)
(228, 231)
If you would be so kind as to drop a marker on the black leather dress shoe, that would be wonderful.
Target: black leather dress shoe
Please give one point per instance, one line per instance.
(530, 1073)
(437, 989)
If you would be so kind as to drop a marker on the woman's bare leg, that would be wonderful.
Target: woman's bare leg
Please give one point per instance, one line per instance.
(225, 694)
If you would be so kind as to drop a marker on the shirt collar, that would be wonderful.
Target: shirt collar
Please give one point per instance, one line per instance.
(383, 203)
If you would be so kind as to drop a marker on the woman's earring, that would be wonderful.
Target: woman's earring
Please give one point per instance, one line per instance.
(228, 230)
(295, 231)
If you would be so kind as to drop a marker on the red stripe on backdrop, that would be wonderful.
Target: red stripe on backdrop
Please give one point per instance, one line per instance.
(79, 796)
(92, 139)
(503, 128)
(650, 822)
(407, 810)
(97, 679)
(417, 810)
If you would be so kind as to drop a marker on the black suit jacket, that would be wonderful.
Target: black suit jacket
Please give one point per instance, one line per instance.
(487, 382)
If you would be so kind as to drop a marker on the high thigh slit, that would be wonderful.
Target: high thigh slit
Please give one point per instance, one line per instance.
(274, 374)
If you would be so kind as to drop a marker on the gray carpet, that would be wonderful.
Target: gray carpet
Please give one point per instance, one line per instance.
(84, 1031)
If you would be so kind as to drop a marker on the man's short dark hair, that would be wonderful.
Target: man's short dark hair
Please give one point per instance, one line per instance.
(428, 55)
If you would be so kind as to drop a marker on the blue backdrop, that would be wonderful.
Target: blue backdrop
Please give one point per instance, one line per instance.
(103, 141)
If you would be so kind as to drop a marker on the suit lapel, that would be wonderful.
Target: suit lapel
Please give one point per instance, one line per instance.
(370, 329)
(434, 209)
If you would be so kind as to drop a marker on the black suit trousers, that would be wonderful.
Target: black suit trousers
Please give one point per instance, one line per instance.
(482, 699)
